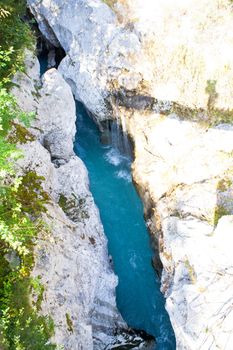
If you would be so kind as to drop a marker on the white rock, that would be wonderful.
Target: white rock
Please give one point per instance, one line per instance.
(99, 50)
(71, 258)
(175, 52)
(27, 85)
(184, 174)
(169, 50)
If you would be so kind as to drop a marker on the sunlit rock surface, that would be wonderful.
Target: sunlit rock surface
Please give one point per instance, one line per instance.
(71, 256)
(184, 173)
(137, 59)
(178, 51)
(100, 51)
(186, 44)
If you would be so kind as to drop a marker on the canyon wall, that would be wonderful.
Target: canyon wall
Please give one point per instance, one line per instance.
(71, 257)
(184, 174)
(165, 69)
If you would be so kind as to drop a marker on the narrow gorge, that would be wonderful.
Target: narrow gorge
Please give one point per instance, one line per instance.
(138, 296)
(72, 262)
(133, 138)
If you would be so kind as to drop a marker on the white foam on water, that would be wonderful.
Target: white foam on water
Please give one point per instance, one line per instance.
(113, 157)
(124, 174)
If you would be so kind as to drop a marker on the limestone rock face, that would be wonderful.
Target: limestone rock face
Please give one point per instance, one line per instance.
(188, 45)
(59, 145)
(52, 101)
(100, 52)
(136, 59)
(26, 86)
(71, 258)
(163, 49)
(184, 173)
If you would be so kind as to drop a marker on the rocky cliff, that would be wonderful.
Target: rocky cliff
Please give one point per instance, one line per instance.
(164, 69)
(168, 51)
(71, 258)
(184, 175)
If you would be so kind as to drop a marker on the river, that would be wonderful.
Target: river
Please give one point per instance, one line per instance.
(138, 293)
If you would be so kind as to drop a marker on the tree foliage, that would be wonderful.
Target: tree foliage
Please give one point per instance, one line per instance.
(22, 201)
(14, 38)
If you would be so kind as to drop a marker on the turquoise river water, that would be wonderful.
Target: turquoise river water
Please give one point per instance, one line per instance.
(138, 293)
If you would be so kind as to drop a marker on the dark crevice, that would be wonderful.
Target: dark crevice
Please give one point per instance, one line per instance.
(49, 54)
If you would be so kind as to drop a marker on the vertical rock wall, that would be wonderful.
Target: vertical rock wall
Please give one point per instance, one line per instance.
(71, 258)
(166, 68)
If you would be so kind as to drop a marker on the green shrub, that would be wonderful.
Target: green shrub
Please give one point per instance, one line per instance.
(110, 3)
(15, 37)
(20, 325)
(69, 323)
(22, 201)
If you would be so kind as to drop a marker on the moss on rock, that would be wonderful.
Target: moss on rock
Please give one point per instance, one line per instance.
(73, 207)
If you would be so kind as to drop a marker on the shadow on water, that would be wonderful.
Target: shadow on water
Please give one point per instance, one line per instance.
(138, 293)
